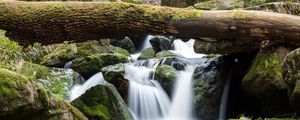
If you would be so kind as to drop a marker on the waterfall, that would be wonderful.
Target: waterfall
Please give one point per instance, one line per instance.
(181, 108)
(146, 44)
(78, 90)
(185, 49)
(147, 99)
(68, 65)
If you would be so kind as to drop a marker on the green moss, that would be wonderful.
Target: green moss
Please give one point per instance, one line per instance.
(166, 72)
(90, 47)
(11, 83)
(166, 76)
(98, 110)
(264, 77)
(268, 65)
(113, 58)
(44, 97)
(31, 70)
(147, 53)
(165, 54)
(62, 54)
(95, 103)
(208, 5)
(242, 15)
(118, 50)
(9, 50)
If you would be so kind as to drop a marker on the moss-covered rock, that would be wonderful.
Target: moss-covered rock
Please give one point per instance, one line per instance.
(103, 102)
(291, 75)
(249, 3)
(147, 53)
(219, 5)
(88, 66)
(58, 81)
(166, 76)
(160, 43)
(279, 7)
(225, 47)
(9, 50)
(125, 43)
(165, 54)
(92, 47)
(114, 74)
(66, 52)
(208, 85)
(20, 98)
(264, 80)
(207, 5)
(37, 52)
(176, 62)
(61, 55)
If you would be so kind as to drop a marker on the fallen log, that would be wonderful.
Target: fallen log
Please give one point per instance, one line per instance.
(55, 22)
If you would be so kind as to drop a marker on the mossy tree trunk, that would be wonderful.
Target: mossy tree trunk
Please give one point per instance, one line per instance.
(54, 22)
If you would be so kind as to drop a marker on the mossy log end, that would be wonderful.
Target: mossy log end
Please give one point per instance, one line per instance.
(54, 22)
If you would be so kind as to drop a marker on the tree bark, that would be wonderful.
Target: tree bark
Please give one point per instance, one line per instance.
(55, 22)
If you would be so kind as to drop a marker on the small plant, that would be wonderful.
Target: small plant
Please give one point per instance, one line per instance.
(9, 50)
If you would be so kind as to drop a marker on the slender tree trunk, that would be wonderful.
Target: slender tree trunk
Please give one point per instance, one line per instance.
(54, 22)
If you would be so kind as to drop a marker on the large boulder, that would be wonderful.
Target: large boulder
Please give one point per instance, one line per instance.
(61, 55)
(265, 82)
(125, 43)
(114, 74)
(166, 76)
(90, 65)
(219, 5)
(160, 43)
(66, 52)
(59, 81)
(36, 52)
(225, 47)
(147, 53)
(280, 7)
(162, 54)
(103, 102)
(208, 85)
(291, 75)
(20, 98)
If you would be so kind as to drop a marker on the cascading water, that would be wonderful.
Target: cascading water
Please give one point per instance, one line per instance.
(78, 90)
(146, 44)
(148, 100)
(182, 100)
(185, 49)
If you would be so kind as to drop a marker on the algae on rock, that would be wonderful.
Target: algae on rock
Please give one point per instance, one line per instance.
(265, 82)
(103, 102)
(291, 75)
(166, 76)
(20, 98)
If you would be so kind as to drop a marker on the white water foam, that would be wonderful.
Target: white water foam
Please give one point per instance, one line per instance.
(78, 90)
(181, 108)
(185, 49)
(147, 99)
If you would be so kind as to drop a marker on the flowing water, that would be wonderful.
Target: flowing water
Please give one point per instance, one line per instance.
(182, 101)
(78, 90)
(185, 49)
(147, 100)
(145, 45)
